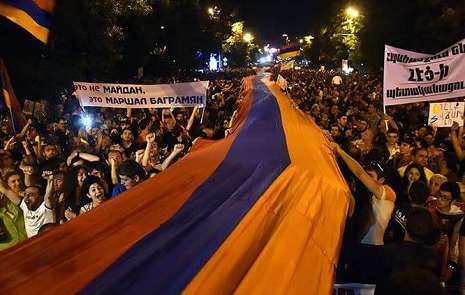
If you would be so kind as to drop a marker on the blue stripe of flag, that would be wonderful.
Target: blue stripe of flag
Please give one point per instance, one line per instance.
(40, 16)
(165, 261)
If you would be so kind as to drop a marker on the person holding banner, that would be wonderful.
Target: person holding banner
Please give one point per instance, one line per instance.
(397, 137)
(83, 143)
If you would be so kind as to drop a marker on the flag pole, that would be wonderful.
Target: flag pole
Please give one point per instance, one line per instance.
(384, 111)
(12, 120)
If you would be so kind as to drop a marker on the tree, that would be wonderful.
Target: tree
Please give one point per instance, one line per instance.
(419, 25)
(341, 38)
(108, 40)
(239, 46)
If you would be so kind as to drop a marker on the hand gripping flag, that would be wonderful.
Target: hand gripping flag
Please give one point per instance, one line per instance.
(259, 212)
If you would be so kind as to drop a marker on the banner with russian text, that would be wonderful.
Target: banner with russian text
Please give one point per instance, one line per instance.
(411, 77)
(141, 96)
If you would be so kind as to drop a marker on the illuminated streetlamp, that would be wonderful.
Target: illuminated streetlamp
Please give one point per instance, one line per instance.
(248, 37)
(213, 11)
(352, 12)
(286, 36)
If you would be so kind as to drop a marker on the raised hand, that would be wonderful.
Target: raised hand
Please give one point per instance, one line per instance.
(28, 170)
(178, 148)
(150, 138)
(48, 175)
(455, 127)
(70, 214)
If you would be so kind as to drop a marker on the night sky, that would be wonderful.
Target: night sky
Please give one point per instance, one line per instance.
(270, 19)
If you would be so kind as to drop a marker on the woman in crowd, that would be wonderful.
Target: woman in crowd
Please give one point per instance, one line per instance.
(83, 160)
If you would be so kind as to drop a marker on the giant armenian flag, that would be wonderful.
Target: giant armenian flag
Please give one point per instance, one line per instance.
(260, 212)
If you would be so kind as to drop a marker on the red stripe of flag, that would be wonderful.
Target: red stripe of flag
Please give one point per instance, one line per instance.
(10, 100)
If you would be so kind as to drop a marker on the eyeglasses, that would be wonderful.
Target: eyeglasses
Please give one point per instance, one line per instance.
(444, 198)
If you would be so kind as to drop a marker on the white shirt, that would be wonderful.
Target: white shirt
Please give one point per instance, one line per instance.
(33, 220)
(87, 207)
(382, 211)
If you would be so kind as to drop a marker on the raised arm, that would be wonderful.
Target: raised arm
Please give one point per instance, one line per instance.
(114, 173)
(176, 150)
(372, 185)
(28, 171)
(88, 157)
(23, 131)
(150, 138)
(455, 136)
(11, 195)
(9, 143)
(49, 198)
(38, 151)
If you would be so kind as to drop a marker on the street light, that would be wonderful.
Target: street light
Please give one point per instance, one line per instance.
(286, 36)
(248, 37)
(352, 12)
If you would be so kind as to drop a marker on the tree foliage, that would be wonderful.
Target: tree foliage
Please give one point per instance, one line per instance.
(418, 25)
(239, 51)
(108, 40)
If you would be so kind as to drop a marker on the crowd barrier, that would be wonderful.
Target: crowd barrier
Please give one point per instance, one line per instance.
(354, 289)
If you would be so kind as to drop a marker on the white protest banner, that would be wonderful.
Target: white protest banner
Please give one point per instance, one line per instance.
(444, 114)
(141, 96)
(415, 77)
(282, 83)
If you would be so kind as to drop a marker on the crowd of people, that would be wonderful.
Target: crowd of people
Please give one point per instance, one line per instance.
(407, 179)
(57, 168)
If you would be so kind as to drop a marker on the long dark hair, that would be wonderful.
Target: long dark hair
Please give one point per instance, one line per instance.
(70, 188)
(405, 182)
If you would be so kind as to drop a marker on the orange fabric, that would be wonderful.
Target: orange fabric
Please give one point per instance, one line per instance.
(288, 243)
(390, 195)
(46, 5)
(67, 258)
(24, 20)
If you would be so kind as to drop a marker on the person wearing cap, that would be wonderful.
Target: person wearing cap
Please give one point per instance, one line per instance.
(383, 197)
